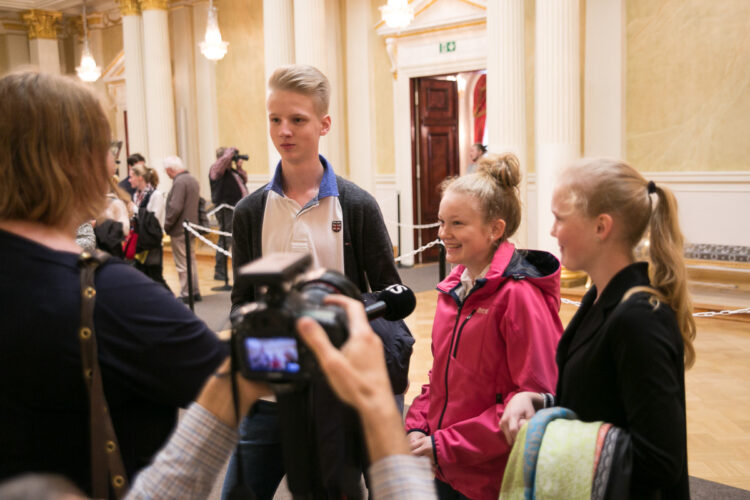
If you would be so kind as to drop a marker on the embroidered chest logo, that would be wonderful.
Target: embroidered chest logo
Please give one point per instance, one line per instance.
(336, 226)
(482, 310)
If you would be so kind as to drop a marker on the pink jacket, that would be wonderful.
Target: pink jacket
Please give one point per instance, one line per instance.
(501, 340)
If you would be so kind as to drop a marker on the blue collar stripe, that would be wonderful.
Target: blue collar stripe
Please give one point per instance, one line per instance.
(328, 186)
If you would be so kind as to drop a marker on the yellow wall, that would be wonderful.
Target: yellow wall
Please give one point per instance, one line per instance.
(240, 84)
(112, 44)
(688, 85)
(3, 55)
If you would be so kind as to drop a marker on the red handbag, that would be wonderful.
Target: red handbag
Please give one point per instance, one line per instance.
(130, 244)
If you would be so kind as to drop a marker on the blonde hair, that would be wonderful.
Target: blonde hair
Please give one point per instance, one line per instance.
(495, 186)
(603, 186)
(303, 79)
(54, 141)
(149, 174)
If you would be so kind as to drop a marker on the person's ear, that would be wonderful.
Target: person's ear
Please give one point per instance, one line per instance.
(497, 229)
(604, 223)
(325, 124)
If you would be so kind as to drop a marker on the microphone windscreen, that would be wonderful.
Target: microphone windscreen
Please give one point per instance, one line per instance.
(400, 300)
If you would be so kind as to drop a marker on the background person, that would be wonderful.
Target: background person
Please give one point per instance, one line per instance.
(495, 331)
(228, 185)
(149, 214)
(153, 352)
(182, 205)
(476, 151)
(132, 161)
(622, 357)
(113, 223)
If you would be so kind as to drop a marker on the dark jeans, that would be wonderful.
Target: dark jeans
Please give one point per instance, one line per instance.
(261, 453)
(224, 218)
(260, 450)
(445, 492)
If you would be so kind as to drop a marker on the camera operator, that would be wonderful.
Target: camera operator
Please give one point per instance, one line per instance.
(187, 466)
(227, 186)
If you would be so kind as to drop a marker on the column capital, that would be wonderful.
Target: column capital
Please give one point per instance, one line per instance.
(75, 27)
(154, 4)
(129, 7)
(41, 23)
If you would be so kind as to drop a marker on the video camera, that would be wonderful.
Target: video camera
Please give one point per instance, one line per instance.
(237, 156)
(264, 332)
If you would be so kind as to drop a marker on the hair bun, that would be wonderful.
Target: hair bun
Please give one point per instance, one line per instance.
(505, 169)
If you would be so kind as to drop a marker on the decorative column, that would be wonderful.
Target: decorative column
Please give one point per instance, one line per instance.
(506, 90)
(360, 88)
(157, 66)
(42, 32)
(135, 94)
(558, 103)
(312, 34)
(278, 47)
(207, 108)
(335, 141)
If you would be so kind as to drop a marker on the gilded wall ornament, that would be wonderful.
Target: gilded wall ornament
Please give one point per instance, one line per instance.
(42, 23)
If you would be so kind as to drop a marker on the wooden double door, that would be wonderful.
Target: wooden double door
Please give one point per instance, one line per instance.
(434, 152)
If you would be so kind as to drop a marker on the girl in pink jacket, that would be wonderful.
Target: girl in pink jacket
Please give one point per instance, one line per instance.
(495, 332)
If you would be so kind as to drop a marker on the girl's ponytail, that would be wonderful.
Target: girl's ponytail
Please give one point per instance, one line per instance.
(668, 271)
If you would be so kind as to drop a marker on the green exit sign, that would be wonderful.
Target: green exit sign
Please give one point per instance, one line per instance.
(448, 47)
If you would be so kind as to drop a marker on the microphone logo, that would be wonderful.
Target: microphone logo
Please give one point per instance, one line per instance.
(397, 289)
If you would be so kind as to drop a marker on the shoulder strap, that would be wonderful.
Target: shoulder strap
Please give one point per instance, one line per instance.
(107, 468)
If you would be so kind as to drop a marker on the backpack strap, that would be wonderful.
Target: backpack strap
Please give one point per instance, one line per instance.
(107, 468)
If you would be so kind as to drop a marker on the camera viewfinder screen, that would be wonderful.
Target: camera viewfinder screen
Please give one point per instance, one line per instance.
(276, 354)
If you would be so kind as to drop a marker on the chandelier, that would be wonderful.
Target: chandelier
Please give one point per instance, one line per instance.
(397, 14)
(213, 47)
(88, 71)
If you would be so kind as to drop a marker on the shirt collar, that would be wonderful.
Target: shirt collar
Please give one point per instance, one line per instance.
(467, 283)
(328, 186)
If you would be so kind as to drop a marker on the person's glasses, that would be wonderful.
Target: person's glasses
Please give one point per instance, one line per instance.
(115, 147)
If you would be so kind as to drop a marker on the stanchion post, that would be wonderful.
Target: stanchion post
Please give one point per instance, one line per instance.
(191, 304)
(441, 266)
(226, 271)
(225, 287)
(398, 218)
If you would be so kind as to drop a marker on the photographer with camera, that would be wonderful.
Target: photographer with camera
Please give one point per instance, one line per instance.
(227, 186)
(188, 465)
(357, 373)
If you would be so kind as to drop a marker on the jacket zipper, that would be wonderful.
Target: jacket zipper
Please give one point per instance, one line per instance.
(458, 338)
(447, 366)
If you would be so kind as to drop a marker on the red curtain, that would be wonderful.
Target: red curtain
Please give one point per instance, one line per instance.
(480, 108)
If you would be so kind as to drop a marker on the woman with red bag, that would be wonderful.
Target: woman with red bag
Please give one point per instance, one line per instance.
(147, 225)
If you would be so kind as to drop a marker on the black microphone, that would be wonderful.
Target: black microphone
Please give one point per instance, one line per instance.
(394, 303)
